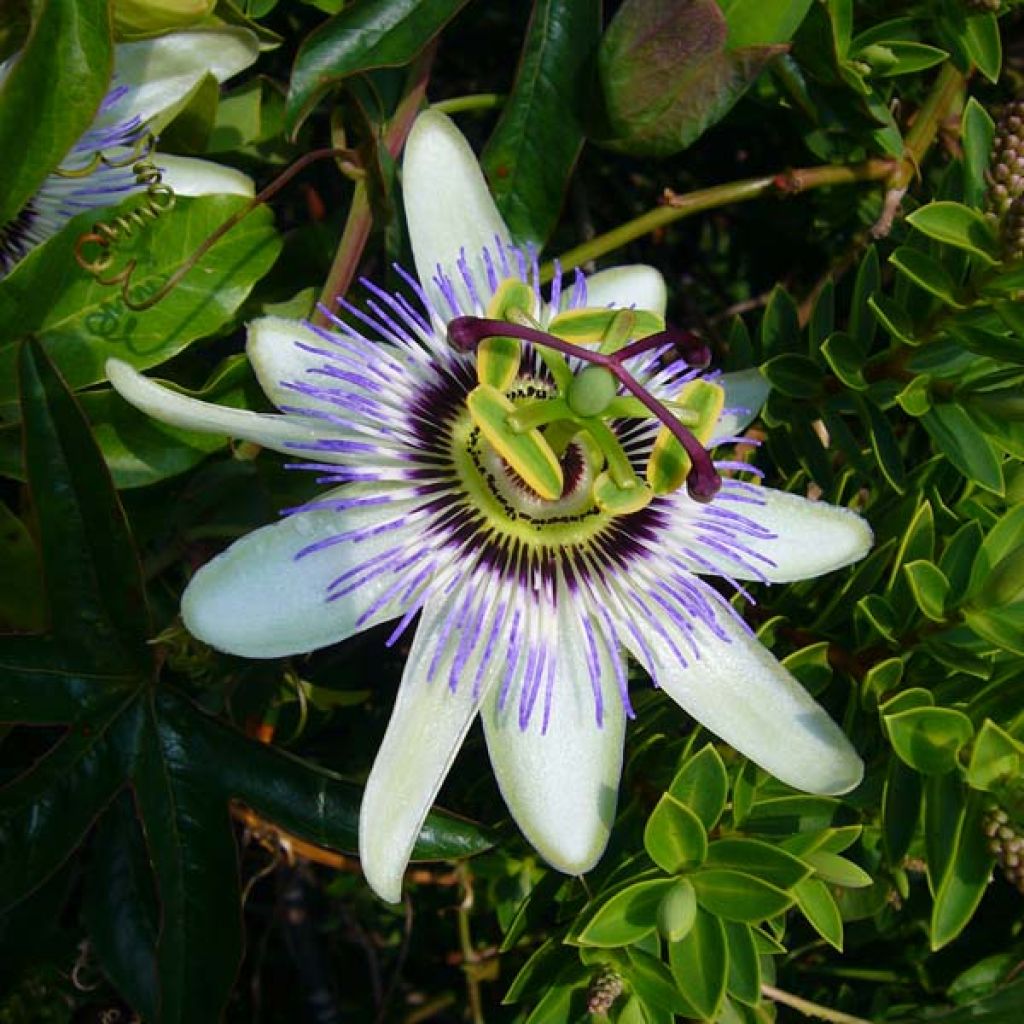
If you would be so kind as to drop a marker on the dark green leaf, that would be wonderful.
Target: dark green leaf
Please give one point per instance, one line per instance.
(976, 133)
(120, 907)
(47, 811)
(862, 319)
(957, 437)
(93, 580)
(192, 850)
(538, 137)
(780, 325)
(845, 356)
(55, 86)
(965, 881)
(928, 274)
(944, 804)
(22, 605)
(367, 35)
(901, 809)
(308, 801)
(794, 375)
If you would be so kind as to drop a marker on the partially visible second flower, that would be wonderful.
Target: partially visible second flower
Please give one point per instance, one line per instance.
(528, 475)
(152, 81)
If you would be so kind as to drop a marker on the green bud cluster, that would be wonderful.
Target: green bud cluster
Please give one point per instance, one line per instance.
(1013, 230)
(1006, 164)
(1006, 844)
(605, 987)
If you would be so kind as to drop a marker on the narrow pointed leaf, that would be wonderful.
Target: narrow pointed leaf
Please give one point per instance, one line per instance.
(538, 137)
(93, 580)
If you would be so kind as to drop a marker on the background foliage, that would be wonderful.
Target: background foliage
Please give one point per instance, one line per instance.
(820, 183)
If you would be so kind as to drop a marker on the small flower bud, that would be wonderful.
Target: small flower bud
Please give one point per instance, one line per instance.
(1007, 846)
(1006, 162)
(605, 988)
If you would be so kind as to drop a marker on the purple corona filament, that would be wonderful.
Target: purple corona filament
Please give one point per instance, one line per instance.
(703, 481)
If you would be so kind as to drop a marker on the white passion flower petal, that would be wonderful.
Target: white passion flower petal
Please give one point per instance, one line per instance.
(745, 392)
(439, 696)
(560, 781)
(631, 286)
(448, 208)
(188, 176)
(758, 533)
(741, 693)
(300, 584)
(286, 434)
(154, 78)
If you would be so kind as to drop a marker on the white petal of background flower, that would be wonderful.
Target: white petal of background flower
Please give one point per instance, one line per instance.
(280, 433)
(189, 176)
(448, 206)
(260, 599)
(741, 693)
(561, 783)
(629, 285)
(160, 74)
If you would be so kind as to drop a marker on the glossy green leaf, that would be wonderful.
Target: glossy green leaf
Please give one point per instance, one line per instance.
(47, 811)
(744, 981)
(674, 836)
(930, 588)
(817, 905)
(959, 226)
(884, 444)
(737, 896)
(959, 439)
(677, 910)
(653, 982)
(121, 911)
(667, 76)
(928, 274)
(755, 857)
(995, 757)
(866, 284)
(901, 809)
(944, 804)
(794, 375)
(192, 850)
(703, 785)
(983, 44)
(627, 916)
(371, 34)
(756, 23)
(535, 144)
(846, 358)
(93, 580)
(976, 133)
(700, 965)
(55, 86)
(82, 323)
(893, 318)
(836, 870)
(787, 814)
(965, 880)
(22, 604)
(780, 326)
